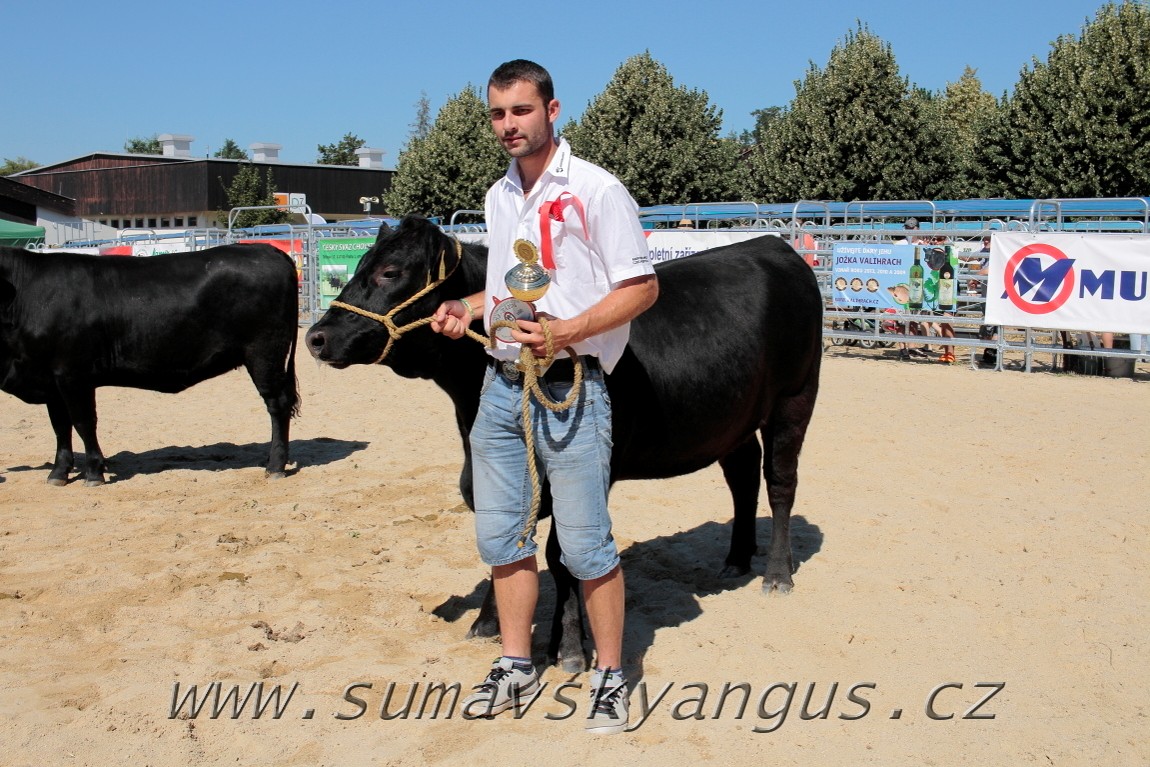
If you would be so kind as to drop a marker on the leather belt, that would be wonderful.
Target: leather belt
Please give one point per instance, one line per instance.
(561, 370)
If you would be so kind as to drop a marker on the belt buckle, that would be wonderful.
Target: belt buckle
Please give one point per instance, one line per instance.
(510, 370)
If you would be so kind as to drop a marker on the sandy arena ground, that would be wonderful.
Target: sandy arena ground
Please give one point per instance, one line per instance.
(972, 558)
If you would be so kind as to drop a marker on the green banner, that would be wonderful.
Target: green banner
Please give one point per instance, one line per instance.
(336, 259)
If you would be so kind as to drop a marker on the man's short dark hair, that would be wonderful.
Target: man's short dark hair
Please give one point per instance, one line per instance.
(522, 70)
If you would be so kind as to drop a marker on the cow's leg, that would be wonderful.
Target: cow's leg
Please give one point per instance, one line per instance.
(62, 426)
(277, 386)
(741, 469)
(783, 439)
(278, 449)
(565, 645)
(80, 401)
(486, 624)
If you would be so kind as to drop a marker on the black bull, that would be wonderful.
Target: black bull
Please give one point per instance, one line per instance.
(70, 323)
(729, 352)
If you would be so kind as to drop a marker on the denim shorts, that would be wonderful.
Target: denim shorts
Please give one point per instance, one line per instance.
(573, 450)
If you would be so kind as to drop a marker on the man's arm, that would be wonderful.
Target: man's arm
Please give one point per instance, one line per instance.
(625, 302)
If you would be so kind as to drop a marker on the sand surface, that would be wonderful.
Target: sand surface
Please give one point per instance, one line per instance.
(972, 585)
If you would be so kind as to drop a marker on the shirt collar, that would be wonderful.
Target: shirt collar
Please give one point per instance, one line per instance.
(557, 169)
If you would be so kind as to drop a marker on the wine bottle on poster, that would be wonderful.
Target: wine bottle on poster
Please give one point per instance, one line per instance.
(946, 284)
(915, 301)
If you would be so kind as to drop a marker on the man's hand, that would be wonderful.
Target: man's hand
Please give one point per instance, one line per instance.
(626, 301)
(451, 319)
(564, 333)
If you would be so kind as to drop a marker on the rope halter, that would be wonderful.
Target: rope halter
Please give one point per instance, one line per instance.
(395, 333)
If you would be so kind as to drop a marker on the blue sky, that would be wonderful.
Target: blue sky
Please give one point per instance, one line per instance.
(88, 76)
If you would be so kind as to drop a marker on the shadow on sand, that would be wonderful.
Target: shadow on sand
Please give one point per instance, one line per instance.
(124, 465)
(671, 573)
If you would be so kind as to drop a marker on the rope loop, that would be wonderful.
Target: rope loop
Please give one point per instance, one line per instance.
(532, 368)
(529, 365)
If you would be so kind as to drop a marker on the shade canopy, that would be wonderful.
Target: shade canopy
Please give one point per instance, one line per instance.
(17, 235)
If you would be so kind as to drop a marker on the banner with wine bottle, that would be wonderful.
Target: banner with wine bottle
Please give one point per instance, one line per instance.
(893, 275)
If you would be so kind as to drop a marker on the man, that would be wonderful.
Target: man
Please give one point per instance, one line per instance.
(585, 224)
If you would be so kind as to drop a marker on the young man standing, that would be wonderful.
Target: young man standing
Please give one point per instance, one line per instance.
(585, 224)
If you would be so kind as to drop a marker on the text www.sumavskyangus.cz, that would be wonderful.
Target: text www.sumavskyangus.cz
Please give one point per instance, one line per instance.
(767, 706)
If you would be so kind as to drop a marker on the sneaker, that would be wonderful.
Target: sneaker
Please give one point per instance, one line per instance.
(504, 687)
(609, 699)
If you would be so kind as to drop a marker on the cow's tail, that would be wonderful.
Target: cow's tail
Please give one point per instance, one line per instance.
(296, 400)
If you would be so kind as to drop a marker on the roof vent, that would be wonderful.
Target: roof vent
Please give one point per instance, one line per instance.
(265, 152)
(370, 158)
(172, 145)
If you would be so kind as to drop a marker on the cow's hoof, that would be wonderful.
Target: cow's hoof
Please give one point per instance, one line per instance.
(57, 481)
(483, 629)
(730, 572)
(777, 586)
(94, 482)
(575, 664)
(275, 474)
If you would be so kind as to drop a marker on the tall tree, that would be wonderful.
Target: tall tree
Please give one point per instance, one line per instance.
(662, 141)
(1079, 123)
(450, 168)
(854, 131)
(140, 145)
(422, 125)
(341, 153)
(250, 189)
(968, 114)
(11, 166)
(231, 151)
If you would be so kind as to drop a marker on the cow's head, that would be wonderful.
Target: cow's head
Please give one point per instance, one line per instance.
(400, 280)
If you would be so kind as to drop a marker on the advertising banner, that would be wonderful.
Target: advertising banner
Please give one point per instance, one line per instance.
(1067, 281)
(894, 275)
(337, 258)
(158, 249)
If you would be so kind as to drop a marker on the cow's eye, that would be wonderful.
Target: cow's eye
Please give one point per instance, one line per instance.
(387, 274)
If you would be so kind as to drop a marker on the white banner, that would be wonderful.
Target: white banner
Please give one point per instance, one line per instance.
(669, 244)
(1069, 281)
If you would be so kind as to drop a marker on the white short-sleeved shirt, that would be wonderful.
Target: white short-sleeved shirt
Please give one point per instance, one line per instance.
(587, 264)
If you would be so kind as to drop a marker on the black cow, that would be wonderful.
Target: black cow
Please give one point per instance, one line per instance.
(730, 351)
(70, 323)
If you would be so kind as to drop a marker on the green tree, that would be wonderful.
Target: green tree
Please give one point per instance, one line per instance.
(342, 153)
(450, 168)
(1078, 124)
(231, 151)
(968, 114)
(140, 145)
(764, 118)
(250, 189)
(11, 166)
(660, 140)
(855, 130)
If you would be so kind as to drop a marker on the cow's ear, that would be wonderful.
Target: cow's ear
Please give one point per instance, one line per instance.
(384, 230)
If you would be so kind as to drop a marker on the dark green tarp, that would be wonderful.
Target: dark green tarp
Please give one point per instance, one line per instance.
(16, 235)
